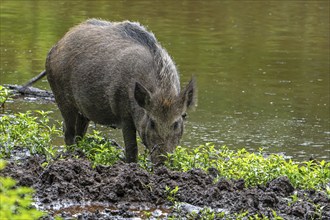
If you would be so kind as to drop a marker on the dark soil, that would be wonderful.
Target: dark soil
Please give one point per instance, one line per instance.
(117, 191)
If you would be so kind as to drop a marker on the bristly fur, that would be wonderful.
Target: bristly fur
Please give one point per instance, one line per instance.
(97, 22)
(166, 68)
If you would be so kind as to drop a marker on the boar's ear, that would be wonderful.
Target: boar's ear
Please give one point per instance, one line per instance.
(188, 95)
(142, 96)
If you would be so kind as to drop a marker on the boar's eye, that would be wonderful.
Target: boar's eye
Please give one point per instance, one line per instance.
(184, 115)
(152, 124)
(175, 125)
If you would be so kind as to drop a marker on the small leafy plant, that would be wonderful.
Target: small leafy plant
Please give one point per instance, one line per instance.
(28, 131)
(207, 213)
(99, 149)
(254, 168)
(171, 193)
(294, 198)
(16, 201)
(4, 96)
(144, 161)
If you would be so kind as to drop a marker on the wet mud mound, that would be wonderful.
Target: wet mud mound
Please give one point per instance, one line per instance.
(119, 190)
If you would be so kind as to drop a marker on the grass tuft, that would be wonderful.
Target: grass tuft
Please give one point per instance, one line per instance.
(254, 168)
(27, 130)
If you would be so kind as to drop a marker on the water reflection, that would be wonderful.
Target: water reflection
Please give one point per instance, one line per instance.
(262, 67)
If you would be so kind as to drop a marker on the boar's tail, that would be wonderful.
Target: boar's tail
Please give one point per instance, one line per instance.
(34, 79)
(31, 81)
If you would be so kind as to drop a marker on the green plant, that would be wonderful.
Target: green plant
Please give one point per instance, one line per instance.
(318, 211)
(275, 216)
(177, 212)
(242, 215)
(245, 215)
(294, 198)
(147, 214)
(28, 131)
(257, 217)
(16, 201)
(254, 168)
(144, 161)
(171, 194)
(327, 189)
(4, 96)
(100, 150)
(207, 213)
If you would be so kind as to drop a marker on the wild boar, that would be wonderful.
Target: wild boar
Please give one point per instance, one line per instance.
(118, 74)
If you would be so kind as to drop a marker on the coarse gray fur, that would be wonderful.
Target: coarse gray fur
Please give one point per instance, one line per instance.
(117, 74)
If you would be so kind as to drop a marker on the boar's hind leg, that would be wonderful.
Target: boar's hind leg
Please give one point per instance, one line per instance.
(75, 126)
(131, 150)
(81, 125)
(69, 126)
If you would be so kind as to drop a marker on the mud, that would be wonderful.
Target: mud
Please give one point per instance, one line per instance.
(73, 189)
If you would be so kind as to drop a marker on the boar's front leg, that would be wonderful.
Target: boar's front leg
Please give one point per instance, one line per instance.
(131, 149)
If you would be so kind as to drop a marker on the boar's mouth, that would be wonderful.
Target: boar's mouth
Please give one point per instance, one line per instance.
(157, 154)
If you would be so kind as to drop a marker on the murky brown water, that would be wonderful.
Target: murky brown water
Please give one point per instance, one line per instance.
(262, 67)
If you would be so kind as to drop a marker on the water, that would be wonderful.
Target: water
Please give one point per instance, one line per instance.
(262, 67)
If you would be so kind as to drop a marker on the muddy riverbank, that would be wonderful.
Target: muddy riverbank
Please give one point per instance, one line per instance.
(73, 189)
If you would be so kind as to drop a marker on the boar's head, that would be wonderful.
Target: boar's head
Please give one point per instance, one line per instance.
(161, 126)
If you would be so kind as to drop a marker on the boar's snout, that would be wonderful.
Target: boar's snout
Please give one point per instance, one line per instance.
(158, 154)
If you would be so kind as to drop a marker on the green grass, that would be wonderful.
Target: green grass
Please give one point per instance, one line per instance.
(100, 150)
(254, 168)
(27, 130)
(4, 96)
